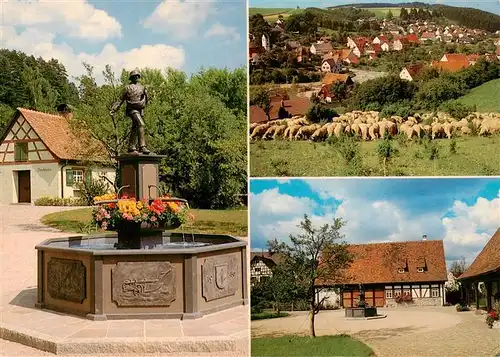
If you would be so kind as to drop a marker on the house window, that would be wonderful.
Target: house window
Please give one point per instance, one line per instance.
(257, 270)
(397, 291)
(21, 152)
(435, 292)
(77, 175)
(401, 270)
(388, 294)
(420, 270)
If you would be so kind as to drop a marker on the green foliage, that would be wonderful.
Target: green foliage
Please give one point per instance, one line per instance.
(432, 149)
(381, 91)
(58, 201)
(320, 113)
(457, 110)
(300, 261)
(470, 17)
(385, 152)
(261, 96)
(453, 146)
(339, 90)
(26, 81)
(268, 315)
(401, 108)
(91, 189)
(6, 114)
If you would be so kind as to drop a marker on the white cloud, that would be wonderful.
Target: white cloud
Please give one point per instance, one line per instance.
(472, 225)
(182, 18)
(230, 34)
(76, 18)
(41, 43)
(271, 204)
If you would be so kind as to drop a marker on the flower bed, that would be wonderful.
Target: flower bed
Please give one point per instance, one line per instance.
(491, 318)
(163, 212)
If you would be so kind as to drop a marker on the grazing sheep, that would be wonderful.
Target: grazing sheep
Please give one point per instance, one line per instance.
(465, 130)
(448, 130)
(320, 133)
(279, 131)
(253, 126)
(293, 131)
(339, 129)
(356, 130)
(373, 131)
(418, 130)
(437, 131)
(259, 131)
(270, 132)
(331, 128)
(364, 131)
(306, 131)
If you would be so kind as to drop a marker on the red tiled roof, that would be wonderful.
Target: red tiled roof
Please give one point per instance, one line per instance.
(377, 48)
(294, 106)
(488, 260)
(413, 38)
(460, 57)
(414, 69)
(56, 133)
(330, 78)
(378, 263)
(451, 66)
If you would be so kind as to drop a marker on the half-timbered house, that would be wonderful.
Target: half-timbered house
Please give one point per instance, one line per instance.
(40, 155)
(261, 265)
(485, 269)
(412, 272)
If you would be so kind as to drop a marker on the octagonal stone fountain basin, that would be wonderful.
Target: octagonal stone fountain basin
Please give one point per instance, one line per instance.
(87, 276)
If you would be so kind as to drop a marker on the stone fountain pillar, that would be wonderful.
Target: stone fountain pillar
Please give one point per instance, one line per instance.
(140, 173)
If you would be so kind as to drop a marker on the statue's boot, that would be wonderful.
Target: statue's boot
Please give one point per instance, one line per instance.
(142, 141)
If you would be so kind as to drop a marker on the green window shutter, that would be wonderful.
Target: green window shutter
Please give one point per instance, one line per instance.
(69, 177)
(21, 152)
(88, 176)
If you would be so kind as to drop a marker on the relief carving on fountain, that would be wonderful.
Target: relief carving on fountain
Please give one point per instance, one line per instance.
(137, 284)
(220, 277)
(66, 280)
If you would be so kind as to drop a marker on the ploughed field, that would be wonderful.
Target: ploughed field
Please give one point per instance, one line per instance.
(353, 145)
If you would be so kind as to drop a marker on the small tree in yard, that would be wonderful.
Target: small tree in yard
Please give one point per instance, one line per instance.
(281, 288)
(262, 98)
(458, 267)
(386, 152)
(315, 255)
(339, 90)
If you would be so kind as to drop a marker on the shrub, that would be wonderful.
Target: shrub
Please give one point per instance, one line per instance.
(386, 152)
(58, 201)
(457, 110)
(402, 109)
(92, 188)
(453, 146)
(491, 318)
(320, 113)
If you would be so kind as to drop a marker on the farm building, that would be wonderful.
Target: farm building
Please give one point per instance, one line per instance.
(261, 265)
(41, 156)
(294, 106)
(410, 72)
(485, 269)
(390, 273)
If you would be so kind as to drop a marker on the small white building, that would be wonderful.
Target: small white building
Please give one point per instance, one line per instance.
(333, 65)
(40, 156)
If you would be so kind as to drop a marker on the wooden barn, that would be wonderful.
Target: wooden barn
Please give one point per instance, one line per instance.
(412, 272)
(485, 269)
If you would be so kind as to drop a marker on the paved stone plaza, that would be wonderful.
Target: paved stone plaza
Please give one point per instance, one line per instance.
(408, 332)
(62, 334)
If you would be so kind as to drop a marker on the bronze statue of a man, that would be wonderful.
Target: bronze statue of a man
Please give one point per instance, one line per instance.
(136, 97)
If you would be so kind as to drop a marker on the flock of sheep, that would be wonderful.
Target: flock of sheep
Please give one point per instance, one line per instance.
(368, 126)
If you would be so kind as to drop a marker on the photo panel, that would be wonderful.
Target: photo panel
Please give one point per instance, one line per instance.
(373, 89)
(123, 176)
(338, 265)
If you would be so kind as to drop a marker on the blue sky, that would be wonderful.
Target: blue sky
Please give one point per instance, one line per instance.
(462, 212)
(183, 35)
(487, 5)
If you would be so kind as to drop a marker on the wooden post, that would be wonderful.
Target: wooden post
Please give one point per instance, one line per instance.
(476, 288)
(488, 295)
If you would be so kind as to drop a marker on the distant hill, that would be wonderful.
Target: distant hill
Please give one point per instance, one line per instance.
(464, 16)
(484, 97)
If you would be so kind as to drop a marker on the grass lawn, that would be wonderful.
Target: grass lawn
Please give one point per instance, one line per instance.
(474, 156)
(268, 315)
(271, 14)
(233, 222)
(485, 97)
(340, 345)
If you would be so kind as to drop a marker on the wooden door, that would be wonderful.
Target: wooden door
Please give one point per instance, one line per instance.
(24, 186)
(379, 298)
(347, 299)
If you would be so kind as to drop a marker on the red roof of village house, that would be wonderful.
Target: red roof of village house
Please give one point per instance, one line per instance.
(451, 66)
(414, 69)
(383, 38)
(498, 51)
(428, 35)
(461, 57)
(330, 78)
(413, 38)
(377, 48)
(294, 106)
(61, 140)
(488, 260)
(378, 263)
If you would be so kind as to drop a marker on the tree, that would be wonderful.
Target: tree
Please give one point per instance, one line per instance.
(386, 152)
(316, 255)
(458, 267)
(390, 15)
(339, 90)
(262, 98)
(403, 15)
(281, 288)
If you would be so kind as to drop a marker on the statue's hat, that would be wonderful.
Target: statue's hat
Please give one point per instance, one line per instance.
(134, 73)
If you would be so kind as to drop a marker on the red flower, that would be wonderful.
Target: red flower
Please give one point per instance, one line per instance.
(157, 206)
